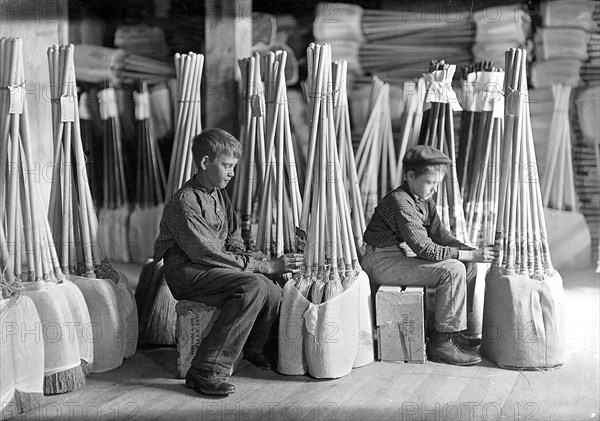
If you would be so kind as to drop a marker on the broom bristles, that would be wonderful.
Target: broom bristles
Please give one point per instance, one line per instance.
(64, 381)
(162, 320)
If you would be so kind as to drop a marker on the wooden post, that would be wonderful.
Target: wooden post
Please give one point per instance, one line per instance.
(228, 37)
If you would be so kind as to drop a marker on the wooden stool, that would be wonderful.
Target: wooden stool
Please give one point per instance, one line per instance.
(194, 321)
(400, 329)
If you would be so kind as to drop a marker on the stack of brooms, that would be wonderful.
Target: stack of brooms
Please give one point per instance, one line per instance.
(330, 288)
(27, 226)
(558, 190)
(413, 98)
(157, 315)
(523, 323)
(104, 293)
(479, 149)
(150, 182)
(437, 130)
(376, 155)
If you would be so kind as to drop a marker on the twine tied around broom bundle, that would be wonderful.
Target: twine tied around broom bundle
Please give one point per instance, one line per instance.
(16, 98)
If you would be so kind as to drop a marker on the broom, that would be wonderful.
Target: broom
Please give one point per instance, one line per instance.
(157, 318)
(151, 180)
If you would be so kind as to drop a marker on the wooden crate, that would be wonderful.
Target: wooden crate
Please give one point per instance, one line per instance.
(400, 324)
(194, 321)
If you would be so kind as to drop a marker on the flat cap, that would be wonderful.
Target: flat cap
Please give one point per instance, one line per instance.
(422, 154)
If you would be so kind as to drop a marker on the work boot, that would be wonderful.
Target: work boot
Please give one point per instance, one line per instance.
(208, 383)
(465, 341)
(259, 359)
(443, 348)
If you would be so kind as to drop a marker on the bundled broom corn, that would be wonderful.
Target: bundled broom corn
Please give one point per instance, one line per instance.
(524, 294)
(331, 262)
(150, 181)
(376, 156)
(90, 278)
(346, 151)
(157, 320)
(437, 130)
(479, 149)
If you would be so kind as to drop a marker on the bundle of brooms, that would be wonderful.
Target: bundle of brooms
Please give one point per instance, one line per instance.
(280, 199)
(376, 159)
(479, 148)
(437, 130)
(331, 263)
(157, 315)
(27, 226)
(150, 182)
(558, 190)
(113, 216)
(524, 294)
(75, 228)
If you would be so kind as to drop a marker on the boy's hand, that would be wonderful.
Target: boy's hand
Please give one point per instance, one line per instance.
(291, 262)
(486, 254)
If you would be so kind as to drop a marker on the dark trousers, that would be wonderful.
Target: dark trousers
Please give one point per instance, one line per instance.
(249, 304)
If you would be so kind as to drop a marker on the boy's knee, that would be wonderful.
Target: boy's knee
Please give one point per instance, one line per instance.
(455, 269)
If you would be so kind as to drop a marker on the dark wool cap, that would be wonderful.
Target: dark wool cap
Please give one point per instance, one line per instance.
(422, 154)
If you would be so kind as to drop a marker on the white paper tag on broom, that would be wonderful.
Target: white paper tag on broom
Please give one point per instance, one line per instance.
(108, 104)
(440, 88)
(16, 99)
(84, 109)
(67, 108)
(142, 105)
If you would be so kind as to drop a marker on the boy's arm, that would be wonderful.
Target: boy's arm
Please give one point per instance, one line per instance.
(406, 222)
(439, 233)
(234, 242)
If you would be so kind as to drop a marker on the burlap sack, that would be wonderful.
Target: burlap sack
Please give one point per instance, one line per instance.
(523, 321)
(108, 321)
(365, 351)
(83, 323)
(291, 357)
(331, 337)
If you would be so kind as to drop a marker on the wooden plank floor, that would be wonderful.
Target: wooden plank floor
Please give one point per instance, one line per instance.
(145, 387)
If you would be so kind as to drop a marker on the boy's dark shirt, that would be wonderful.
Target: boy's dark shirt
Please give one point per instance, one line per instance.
(202, 224)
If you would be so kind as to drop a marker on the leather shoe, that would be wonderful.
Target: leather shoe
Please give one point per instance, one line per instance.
(464, 341)
(444, 349)
(259, 359)
(208, 383)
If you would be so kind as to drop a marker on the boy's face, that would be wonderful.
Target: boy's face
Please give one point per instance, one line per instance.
(219, 171)
(426, 184)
